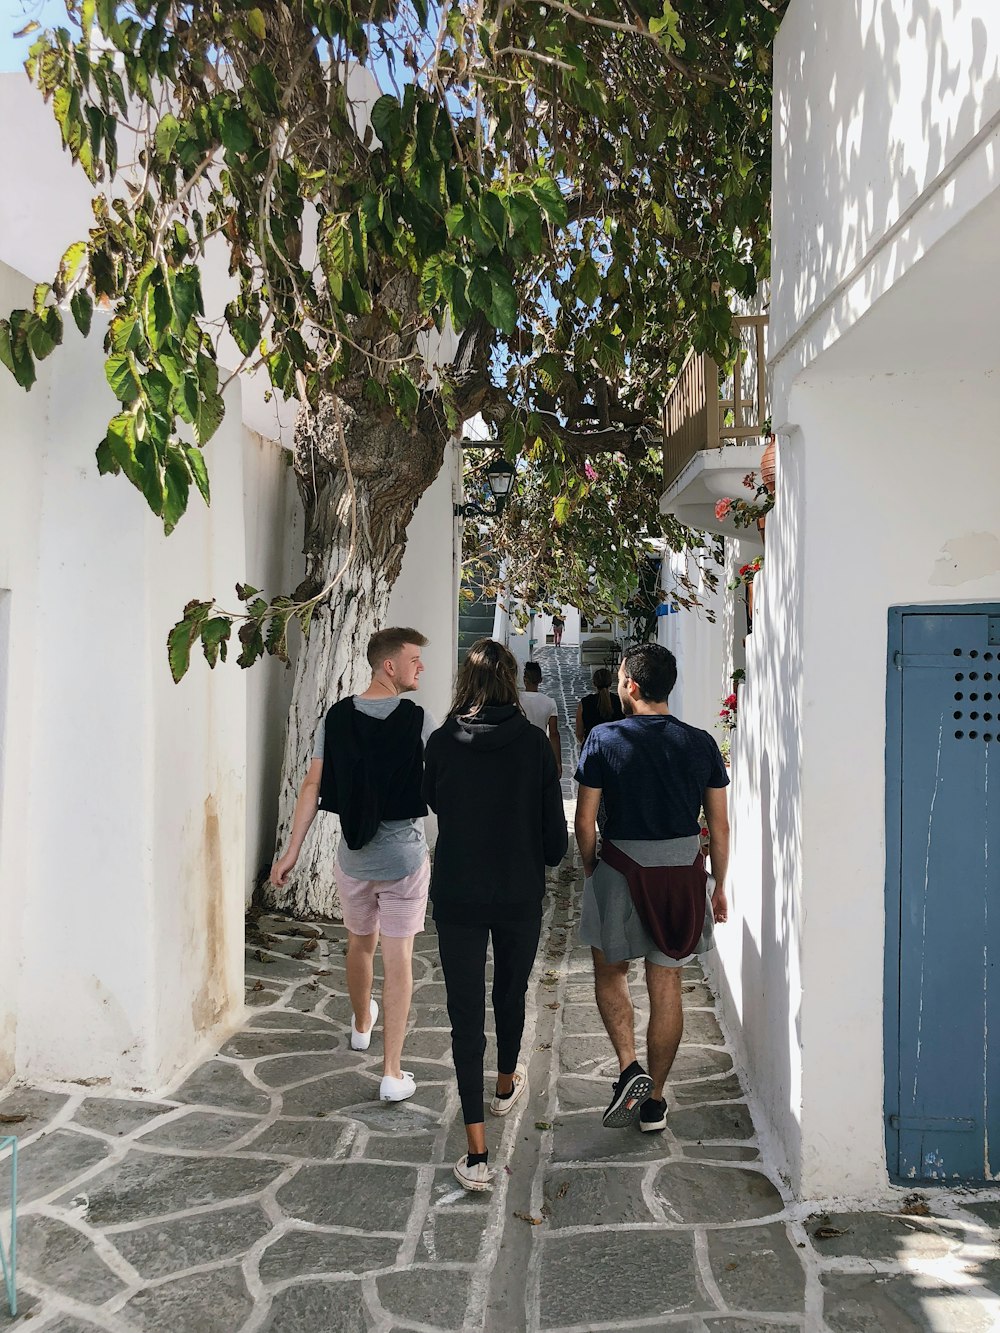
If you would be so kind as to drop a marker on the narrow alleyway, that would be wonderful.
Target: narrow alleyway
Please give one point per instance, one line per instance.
(270, 1190)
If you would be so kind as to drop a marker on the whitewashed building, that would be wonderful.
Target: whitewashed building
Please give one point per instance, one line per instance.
(135, 815)
(861, 963)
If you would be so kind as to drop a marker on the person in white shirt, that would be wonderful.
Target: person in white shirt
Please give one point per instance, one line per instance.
(540, 709)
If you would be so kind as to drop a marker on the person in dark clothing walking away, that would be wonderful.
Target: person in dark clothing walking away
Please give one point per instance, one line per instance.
(491, 777)
(558, 625)
(601, 706)
(368, 768)
(648, 894)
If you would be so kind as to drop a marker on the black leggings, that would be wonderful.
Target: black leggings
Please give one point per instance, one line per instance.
(463, 960)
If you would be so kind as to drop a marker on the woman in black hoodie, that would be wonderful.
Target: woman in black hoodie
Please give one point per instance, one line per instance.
(491, 778)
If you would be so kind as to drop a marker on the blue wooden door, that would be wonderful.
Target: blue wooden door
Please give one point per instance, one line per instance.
(943, 1079)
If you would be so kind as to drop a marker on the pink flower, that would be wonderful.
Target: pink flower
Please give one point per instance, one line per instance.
(722, 508)
(589, 472)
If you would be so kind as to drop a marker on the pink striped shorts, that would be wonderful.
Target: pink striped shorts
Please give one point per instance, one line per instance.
(395, 907)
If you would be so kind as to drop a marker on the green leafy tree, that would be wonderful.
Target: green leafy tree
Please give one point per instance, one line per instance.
(523, 209)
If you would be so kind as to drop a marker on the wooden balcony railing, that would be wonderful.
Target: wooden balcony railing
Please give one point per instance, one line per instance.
(696, 416)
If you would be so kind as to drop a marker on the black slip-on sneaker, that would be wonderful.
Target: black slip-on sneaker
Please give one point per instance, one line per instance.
(652, 1116)
(628, 1094)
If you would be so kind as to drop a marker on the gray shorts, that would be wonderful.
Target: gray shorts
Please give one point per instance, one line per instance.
(608, 919)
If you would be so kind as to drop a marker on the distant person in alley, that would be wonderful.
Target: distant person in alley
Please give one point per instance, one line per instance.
(601, 706)
(558, 625)
(540, 709)
(491, 778)
(649, 896)
(368, 765)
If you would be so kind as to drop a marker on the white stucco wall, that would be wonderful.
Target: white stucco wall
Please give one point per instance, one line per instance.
(426, 592)
(123, 797)
(698, 644)
(886, 209)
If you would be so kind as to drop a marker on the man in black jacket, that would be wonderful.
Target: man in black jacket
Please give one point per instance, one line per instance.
(367, 767)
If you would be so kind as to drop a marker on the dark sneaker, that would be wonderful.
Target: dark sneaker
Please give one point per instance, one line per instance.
(652, 1116)
(633, 1087)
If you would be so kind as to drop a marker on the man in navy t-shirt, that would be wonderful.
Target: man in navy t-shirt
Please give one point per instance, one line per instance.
(646, 895)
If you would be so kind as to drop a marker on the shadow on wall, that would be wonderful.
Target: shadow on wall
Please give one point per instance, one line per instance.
(873, 102)
(759, 975)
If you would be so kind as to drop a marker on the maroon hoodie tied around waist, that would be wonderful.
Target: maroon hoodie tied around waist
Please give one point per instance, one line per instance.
(671, 900)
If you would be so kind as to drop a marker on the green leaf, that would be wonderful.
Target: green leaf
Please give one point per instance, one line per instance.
(454, 220)
(82, 308)
(254, 19)
(208, 417)
(266, 87)
(214, 638)
(167, 132)
(503, 307)
(588, 281)
(176, 485)
(404, 392)
(45, 332)
(179, 642)
(386, 120)
(120, 376)
(236, 133)
(481, 290)
(196, 461)
(550, 199)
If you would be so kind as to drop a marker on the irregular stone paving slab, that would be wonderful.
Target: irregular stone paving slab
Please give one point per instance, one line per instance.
(37, 1107)
(204, 1238)
(746, 1326)
(117, 1115)
(757, 1268)
(582, 1138)
(430, 1296)
(216, 1302)
(397, 1117)
(585, 1054)
(695, 1062)
(900, 1303)
(67, 1257)
(64, 1325)
(288, 1020)
(319, 1307)
(583, 1093)
(326, 1095)
(252, 1045)
(300, 1252)
(720, 1152)
(707, 1090)
(319, 1140)
(148, 1185)
(623, 1276)
(701, 1025)
(351, 1194)
(210, 1131)
(260, 995)
(453, 1237)
(218, 1083)
(287, 1070)
(986, 1212)
(49, 1162)
(702, 1123)
(605, 1196)
(693, 1192)
(880, 1236)
(270, 968)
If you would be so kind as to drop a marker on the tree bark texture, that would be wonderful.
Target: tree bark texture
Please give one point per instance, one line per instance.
(391, 466)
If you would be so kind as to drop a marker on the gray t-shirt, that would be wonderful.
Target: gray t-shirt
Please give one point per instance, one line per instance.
(399, 846)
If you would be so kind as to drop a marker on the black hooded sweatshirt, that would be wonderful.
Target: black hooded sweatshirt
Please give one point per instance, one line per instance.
(493, 783)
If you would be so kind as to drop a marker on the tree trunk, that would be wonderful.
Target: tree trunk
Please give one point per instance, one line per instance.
(391, 465)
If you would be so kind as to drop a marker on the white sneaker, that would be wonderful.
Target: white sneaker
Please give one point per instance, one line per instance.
(479, 1177)
(504, 1105)
(397, 1089)
(360, 1041)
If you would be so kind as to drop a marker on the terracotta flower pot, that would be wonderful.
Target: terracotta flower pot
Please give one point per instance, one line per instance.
(767, 466)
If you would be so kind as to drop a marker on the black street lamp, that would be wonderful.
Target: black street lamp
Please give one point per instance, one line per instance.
(500, 478)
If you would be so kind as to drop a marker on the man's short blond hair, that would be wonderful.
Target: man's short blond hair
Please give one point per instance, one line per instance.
(385, 643)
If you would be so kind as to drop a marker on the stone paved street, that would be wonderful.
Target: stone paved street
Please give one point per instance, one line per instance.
(270, 1192)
